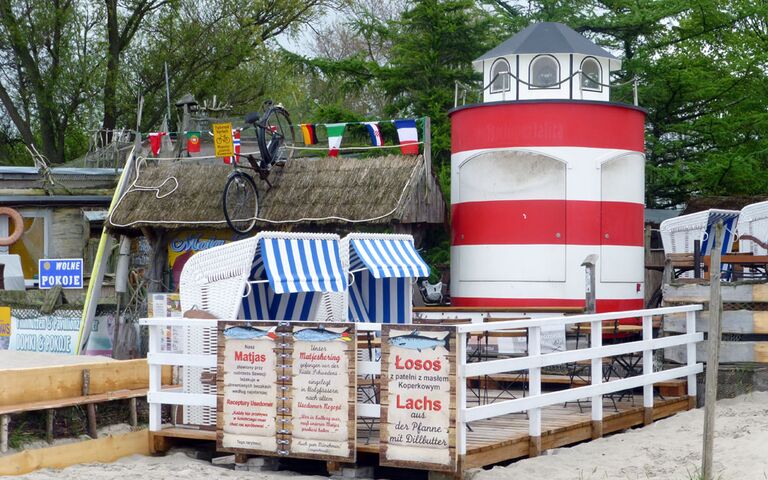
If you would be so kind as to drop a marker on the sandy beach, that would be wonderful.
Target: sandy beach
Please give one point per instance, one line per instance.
(174, 466)
(669, 449)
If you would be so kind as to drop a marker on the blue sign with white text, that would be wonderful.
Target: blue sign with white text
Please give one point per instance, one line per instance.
(67, 272)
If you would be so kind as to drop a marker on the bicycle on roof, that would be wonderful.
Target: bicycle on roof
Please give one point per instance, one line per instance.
(275, 137)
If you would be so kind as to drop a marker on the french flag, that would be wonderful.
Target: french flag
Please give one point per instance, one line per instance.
(408, 135)
(375, 132)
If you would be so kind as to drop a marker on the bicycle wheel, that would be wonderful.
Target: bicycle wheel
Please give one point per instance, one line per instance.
(241, 202)
(276, 137)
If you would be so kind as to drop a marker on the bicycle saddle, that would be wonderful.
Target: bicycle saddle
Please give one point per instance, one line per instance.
(252, 117)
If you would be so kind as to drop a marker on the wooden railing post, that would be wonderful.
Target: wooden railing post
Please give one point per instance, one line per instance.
(647, 370)
(597, 378)
(155, 378)
(461, 392)
(534, 388)
(690, 327)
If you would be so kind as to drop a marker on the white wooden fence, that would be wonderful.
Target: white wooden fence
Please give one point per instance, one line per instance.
(532, 363)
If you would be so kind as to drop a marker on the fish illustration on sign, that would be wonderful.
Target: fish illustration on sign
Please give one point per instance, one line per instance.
(414, 341)
(247, 332)
(321, 334)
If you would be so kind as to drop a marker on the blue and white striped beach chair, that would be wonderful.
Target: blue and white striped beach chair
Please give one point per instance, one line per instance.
(290, 276)
(272, 276)
(382, 267)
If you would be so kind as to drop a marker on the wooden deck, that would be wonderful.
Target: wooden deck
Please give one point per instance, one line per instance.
(506, 438)
(503, 438)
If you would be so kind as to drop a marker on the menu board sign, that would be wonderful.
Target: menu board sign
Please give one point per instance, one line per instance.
(248, 388)
(418, 397)
(322, 402)
(287, 389)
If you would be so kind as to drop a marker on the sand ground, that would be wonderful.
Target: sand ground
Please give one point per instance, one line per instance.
(669, 449)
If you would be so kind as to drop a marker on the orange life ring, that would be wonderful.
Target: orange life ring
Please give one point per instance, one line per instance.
(18, 226)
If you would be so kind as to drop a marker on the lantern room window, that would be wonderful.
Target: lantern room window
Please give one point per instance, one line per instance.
(500, 76)
(591, 75)
(545, 72)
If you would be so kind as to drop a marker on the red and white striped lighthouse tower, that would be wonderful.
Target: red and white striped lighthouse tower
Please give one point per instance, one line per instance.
(545, 172)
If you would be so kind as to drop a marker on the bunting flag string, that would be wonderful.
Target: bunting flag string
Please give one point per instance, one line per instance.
(407, 132)
(236, 145)
(335, 134)
(155, 140)
(375, 132)
(193, 142)
(408, 135)
(309, 133)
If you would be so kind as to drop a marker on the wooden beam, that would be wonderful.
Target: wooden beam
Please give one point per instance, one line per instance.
(105, 449)
(49, 415)
(713, 360)
(40, 384)
(597, 429)
(4, 420)
(70, 402)
(90, 408)
(534, 446)
(134, 416)
(647, 415)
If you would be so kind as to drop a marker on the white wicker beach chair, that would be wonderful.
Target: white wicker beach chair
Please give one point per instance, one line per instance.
(216, 280)
(753, 221)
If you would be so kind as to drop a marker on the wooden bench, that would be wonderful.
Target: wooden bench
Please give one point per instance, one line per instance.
(739, 261)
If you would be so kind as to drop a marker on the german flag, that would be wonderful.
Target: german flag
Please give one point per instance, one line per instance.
(308, 131)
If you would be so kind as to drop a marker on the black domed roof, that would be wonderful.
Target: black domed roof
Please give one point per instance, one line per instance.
(546, 37)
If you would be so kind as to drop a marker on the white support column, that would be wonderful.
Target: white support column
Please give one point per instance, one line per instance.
(647, 370)
(461, 391)
(596, 341)
(155, 378)
(534, 388)
(690, 327)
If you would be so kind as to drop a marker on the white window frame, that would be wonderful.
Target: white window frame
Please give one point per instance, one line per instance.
(506, 81)
(536, 59)
(599, 75)
(43, 213)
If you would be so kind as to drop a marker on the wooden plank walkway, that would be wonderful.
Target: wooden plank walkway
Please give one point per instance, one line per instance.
(502, 438)
(506, 438)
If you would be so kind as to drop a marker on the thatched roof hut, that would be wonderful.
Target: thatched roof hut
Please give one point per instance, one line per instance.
(318, 193)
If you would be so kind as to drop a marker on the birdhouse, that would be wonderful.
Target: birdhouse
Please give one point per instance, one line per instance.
(545, 172)
(546, 61)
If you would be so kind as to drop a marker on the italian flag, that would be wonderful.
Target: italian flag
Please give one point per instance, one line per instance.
(335, 132)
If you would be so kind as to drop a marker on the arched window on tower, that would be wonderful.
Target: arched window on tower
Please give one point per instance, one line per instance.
(500, 76)
(545, 72)
(591, 75)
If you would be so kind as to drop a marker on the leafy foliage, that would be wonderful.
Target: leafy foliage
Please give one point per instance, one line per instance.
(68, 67)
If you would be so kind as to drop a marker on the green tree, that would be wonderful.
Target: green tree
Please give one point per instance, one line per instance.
(46, 49)
(68, 65)
(429, 48)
